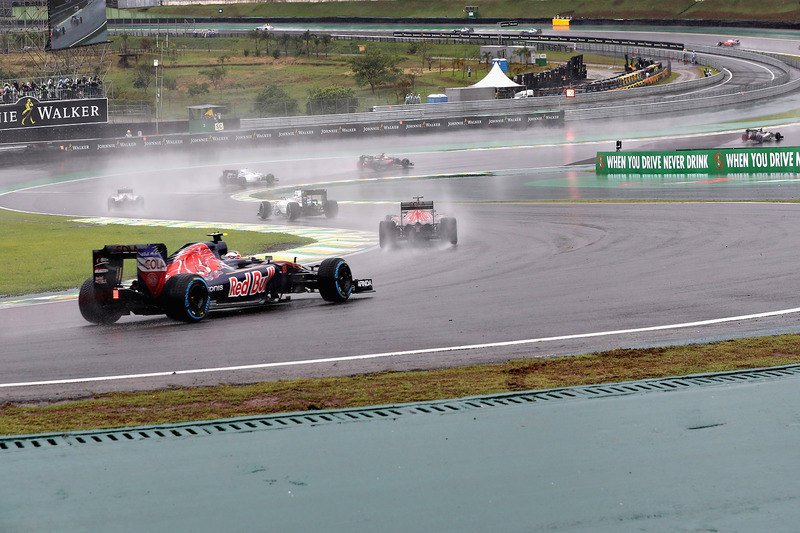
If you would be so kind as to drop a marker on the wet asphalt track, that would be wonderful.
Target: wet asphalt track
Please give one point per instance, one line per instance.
(545, 274)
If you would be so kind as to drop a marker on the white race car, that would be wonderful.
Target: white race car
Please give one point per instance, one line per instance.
(304, 203)
(245, 177)
(125, 199)
(759, 136)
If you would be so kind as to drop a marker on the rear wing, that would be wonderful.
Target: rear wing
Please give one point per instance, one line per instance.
(151, 265)
(408, 206)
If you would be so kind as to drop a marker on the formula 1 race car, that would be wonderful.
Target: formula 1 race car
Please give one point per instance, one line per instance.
(533, 32)
(202, 277)
(418, 223)
(382, 162)
(125, 199)
(759, 135)
(245, 177)
(305, 203)
(730, 43)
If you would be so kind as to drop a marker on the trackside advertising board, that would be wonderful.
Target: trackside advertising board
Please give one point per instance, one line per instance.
(723, 161)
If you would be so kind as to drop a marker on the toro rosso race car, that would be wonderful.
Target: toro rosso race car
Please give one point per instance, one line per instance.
(202, 277)
(245, 177)
(759, 135)
(382, 162)
(125, 199)
(729, 43)
(305, 203)
(418, 223)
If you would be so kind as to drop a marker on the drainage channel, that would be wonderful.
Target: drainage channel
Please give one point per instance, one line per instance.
(391, 412)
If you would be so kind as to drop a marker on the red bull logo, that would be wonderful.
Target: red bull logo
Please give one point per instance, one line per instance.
(253, 283)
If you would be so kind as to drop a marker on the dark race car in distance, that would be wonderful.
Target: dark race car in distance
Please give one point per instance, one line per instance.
(417, 223)
(758, 135)
(125, 199)
(383, 162)
(201, 277)
(304, 203)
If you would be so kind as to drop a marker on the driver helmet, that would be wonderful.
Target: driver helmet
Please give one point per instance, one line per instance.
(233, 254)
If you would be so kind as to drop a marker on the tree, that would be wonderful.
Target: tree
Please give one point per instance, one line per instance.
(308, 37)
(331, 99)
(143, 78)
(274, 100)
(326, 41)
(196, 89)
(216, 75)
(374, 68)
(256, 36)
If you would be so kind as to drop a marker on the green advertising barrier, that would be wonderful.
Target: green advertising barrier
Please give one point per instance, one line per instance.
(722, 161)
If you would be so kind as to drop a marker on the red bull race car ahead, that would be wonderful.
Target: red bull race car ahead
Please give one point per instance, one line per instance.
(382, 162)
(418, 223)
(202, 277)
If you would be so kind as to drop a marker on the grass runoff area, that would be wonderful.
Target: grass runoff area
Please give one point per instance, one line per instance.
(70, 263)
(746, 10)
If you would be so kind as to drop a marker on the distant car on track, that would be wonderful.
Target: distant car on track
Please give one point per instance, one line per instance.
(729, 43)
(417, 223)
(125, 199)
(265, 27)
(244, 177)
(201, 277)
(304, 203)
(758, 135)
(466, 30)
(533, 32)
(382, 162)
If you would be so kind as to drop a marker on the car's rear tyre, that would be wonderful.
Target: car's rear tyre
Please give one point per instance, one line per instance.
(270, 179)
(778, 136)
(745, 137)
(449, 228)
(406, 163)
(186, 297)
(334, 280)
(242, 182)
(331, 208)
(387, 235)
(93, 307)
(293, 210)
(264, 210)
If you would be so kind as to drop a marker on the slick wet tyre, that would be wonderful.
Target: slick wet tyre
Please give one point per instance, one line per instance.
(264, 210)
(331, 208)
(449, 229)
(186, 298)
(293, 210)
(334, 280)
(93, 307)
(387, 234)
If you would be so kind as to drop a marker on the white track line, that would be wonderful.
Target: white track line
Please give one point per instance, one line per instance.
(404, 352)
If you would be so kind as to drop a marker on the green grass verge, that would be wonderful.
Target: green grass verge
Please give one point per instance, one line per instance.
(62, 248)
(194, 404)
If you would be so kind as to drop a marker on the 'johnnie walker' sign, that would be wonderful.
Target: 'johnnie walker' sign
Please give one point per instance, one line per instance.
(29, 112)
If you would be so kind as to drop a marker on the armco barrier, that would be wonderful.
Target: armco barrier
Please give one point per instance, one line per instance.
(722, 161)
(274, 136)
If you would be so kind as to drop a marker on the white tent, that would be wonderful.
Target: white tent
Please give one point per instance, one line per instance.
(496, 79)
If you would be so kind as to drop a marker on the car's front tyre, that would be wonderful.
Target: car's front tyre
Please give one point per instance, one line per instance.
(334, 280)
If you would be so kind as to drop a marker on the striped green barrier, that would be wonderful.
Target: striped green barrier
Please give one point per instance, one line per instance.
(722, 161)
